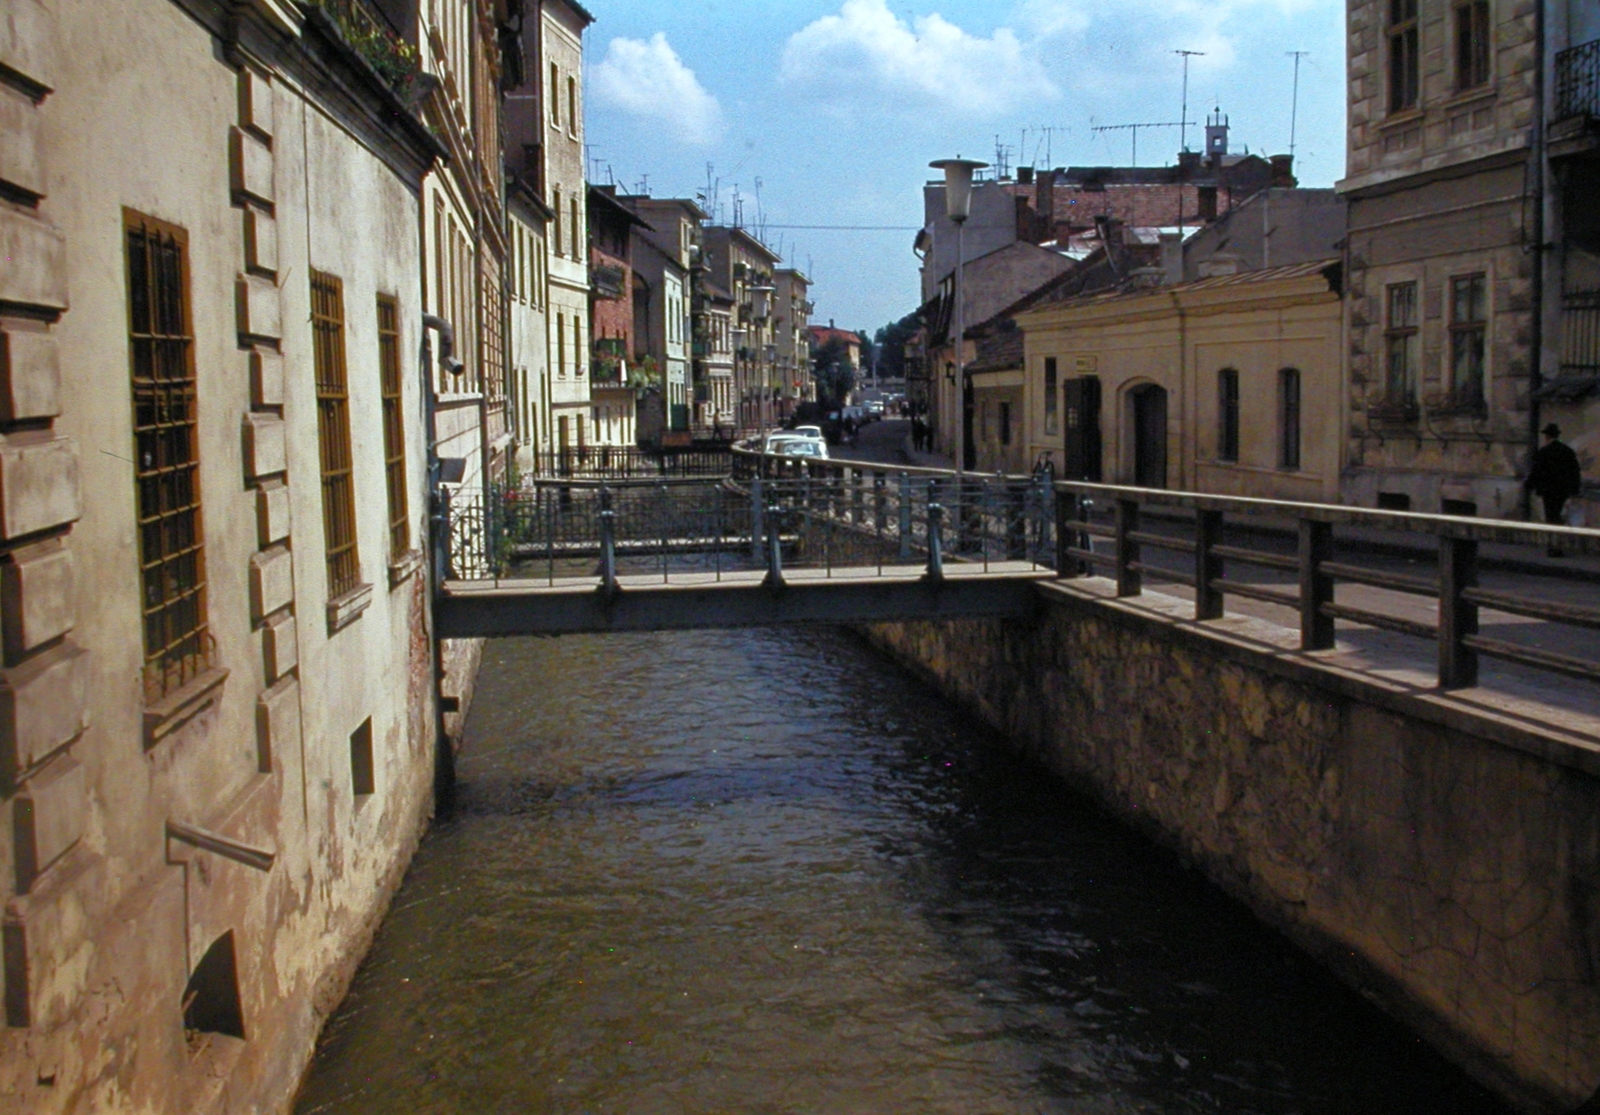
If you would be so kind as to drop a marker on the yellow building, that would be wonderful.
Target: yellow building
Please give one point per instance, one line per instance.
(1230, 384)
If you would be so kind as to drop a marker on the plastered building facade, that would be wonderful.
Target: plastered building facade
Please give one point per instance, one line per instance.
(218, 703)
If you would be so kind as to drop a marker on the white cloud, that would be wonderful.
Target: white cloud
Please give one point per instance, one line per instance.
(928, 60)
(648, 79)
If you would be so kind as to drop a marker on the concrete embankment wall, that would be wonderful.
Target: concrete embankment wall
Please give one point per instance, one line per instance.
(1445, 862)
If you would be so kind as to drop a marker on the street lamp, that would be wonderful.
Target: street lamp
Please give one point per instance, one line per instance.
(958, 206)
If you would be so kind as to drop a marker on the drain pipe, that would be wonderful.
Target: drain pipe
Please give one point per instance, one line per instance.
(1536, 287)
(444, 760)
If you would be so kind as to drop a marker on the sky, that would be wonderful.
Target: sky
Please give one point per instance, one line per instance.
(827, 112)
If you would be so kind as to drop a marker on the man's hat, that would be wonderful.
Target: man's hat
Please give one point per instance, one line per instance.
(1551, 430)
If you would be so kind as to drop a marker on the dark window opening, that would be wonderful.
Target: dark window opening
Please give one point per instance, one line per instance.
(1403, 55)
(211, 997)
(1472, 44)
(1458, 507)
(1289, 418)
(1005, 423)
(361, 777)
(1400, 346)
(1228, 415)
(1394, 501)
(1051, 402)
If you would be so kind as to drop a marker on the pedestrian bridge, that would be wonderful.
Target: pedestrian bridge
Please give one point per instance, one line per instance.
(768, 540)
(771, 540)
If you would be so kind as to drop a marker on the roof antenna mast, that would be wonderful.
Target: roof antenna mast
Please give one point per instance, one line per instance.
(1294, 99)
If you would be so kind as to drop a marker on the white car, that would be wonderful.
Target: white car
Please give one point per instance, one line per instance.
(807, 431)
(795, 445)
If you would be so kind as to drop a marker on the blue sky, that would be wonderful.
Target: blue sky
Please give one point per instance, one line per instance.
(826, 112)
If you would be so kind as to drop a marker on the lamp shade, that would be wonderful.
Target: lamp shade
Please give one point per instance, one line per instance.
(957, 185)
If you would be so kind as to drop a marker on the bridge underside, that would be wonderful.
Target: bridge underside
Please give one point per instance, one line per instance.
(469, 610)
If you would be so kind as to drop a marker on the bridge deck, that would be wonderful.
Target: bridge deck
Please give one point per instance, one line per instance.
(683, 600)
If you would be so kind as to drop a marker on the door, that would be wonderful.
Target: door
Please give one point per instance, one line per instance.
(1081, 430)
(1149, 436)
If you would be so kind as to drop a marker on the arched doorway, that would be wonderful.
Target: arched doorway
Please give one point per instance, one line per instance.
(1148, 406)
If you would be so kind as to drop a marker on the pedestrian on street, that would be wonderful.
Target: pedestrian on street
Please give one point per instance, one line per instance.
(1044, 466)
(1555, 478)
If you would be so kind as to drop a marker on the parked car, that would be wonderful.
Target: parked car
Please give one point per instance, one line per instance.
(794, 445)
(808, 431)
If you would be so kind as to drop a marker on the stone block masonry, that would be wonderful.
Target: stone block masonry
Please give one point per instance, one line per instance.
(1444, 863)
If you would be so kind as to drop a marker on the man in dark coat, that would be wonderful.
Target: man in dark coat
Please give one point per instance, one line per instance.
(1555, 477)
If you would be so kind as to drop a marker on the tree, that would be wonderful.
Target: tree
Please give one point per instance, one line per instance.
(835, 375)
(891, 342)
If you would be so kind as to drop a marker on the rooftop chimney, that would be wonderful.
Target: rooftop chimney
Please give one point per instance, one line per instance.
(1172, 257)
(1283, 172)
(1044, 198)
(1024, 175)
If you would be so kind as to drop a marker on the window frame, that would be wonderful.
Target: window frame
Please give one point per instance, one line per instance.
(1291, 386)
(1402, 33)
(1407, 335)
(1463, 331)
(1474, 43)
(555, 95)
(336, 453)
(390, 384)
(1052, 399)
(1228, 415)
(181, 655)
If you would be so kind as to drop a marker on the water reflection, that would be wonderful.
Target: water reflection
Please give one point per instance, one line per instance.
(767, 872)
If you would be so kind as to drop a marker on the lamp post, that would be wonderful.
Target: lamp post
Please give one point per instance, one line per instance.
(958, 206)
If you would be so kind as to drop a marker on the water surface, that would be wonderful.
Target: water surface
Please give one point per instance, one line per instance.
(768, 872)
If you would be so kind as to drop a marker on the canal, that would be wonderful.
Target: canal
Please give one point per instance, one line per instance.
(767, 871)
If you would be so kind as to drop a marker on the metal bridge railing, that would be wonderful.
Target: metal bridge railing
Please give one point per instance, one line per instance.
(1297, 560)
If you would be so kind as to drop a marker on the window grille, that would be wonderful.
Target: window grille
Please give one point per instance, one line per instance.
(1403, 56)
(1468, 324)
(177, 642)
(333, 434)
(1289, 418)
(1400, 346)
(394, 433)
(1472, 44)
(1228, 415)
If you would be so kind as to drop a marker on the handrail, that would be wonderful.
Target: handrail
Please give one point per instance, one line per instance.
(1455, 586)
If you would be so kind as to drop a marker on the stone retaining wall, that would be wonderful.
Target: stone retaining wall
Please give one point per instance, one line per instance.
(1447, 865)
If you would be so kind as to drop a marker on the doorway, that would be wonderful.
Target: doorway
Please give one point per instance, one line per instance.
(1081, 434)
(1149, 404)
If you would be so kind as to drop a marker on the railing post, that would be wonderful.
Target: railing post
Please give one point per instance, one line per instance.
(1458, 617)
(858, 497)
(1066, 565)
(1129, 582)
(1014, 500)
(774, 578)
(935, 547)
(1316, 587)
(757, 532)
(608, 544)
(1207, 565)
(880, 501)
(905, 516)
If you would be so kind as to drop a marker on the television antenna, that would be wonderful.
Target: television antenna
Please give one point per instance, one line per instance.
(1183, 137)
(1294, 99)
(1134, 128)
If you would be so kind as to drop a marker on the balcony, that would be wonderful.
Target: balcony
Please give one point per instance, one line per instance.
(369, 33)
(607, 282)
(1578, 82)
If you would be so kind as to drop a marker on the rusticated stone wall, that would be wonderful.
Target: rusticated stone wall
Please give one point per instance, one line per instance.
(1446, 864)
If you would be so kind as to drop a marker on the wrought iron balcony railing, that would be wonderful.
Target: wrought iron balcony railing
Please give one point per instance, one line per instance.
(371, 35)
(1578, 81)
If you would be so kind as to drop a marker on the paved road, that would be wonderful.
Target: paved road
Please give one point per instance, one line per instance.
(889, 442)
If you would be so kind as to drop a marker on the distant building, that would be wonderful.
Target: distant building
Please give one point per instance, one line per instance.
(666, 245)
(737, 262)
(791, 333)
(612, 383)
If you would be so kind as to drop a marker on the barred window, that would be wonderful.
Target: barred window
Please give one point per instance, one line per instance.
(1051, 400)
(1403, 55)
(394, 434)
(177, 644)
(1228, 414)
(1400, 345)
(333, 434)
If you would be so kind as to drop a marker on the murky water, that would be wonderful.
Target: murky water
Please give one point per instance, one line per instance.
(766, 871)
